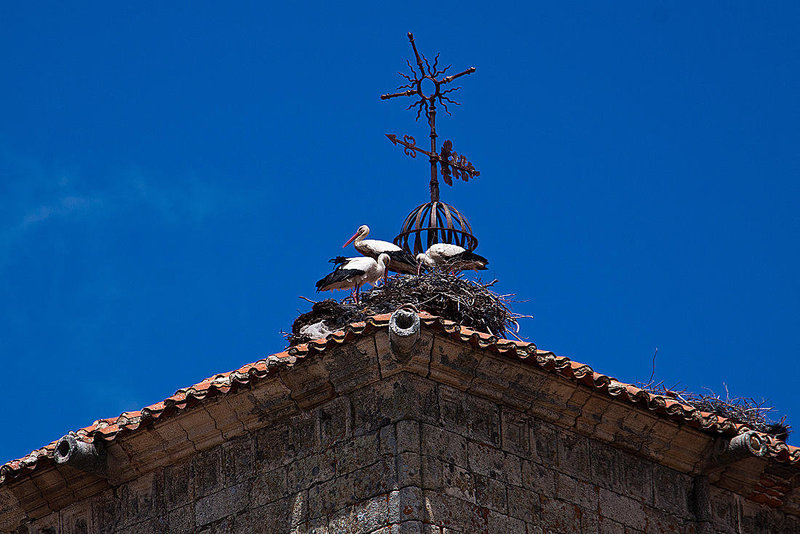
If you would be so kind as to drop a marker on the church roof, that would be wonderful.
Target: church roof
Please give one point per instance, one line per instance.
(108, 430)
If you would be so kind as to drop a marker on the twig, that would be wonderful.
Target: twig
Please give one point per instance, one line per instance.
(653, 373)
(515, 335)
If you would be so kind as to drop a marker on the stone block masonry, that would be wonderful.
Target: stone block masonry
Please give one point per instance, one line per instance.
(417, 450)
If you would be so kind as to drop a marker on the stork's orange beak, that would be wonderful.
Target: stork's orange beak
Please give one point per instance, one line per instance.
(350, 240)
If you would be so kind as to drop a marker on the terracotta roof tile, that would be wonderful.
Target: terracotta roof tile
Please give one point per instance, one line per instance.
(223, 383)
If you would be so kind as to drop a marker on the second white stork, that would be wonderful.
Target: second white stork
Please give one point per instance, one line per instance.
(401, 261)
(352, 273)
(451, 257)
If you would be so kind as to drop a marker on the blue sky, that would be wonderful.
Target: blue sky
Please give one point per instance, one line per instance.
(174, 177)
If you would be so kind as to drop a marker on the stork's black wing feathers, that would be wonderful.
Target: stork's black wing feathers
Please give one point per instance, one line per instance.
(402, 262)
(338, 260)
(338, 276)
(471, 257)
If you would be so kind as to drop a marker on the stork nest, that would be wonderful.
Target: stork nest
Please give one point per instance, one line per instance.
(466, 302)
(742, 410)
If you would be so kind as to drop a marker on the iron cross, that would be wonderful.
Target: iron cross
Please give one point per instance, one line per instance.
(452, 164)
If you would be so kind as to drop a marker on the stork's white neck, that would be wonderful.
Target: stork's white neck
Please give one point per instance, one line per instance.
(361, 236)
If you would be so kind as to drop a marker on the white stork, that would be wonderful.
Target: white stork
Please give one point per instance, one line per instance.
(452, 257)
(352, 273)
(401, 261)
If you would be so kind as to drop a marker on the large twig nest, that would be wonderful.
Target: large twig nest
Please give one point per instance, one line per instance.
(748, 411)
(468, 303)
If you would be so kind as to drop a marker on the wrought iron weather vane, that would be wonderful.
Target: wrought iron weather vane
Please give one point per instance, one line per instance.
(425, 83)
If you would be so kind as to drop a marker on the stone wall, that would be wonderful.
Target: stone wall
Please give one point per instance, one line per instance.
(409, 454)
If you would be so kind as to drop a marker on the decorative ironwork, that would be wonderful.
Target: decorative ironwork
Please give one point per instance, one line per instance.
(450, 162)
(426, 72)
(435, 221)
(456, 164)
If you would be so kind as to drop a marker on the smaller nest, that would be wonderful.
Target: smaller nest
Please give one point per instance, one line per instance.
(468, 303)
(747, 411)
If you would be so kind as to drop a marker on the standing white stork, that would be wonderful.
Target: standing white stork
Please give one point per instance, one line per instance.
(352, 273)
(401, 261)
(452, 257)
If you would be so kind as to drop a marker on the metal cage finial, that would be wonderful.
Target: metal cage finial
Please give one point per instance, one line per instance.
(435, 222)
